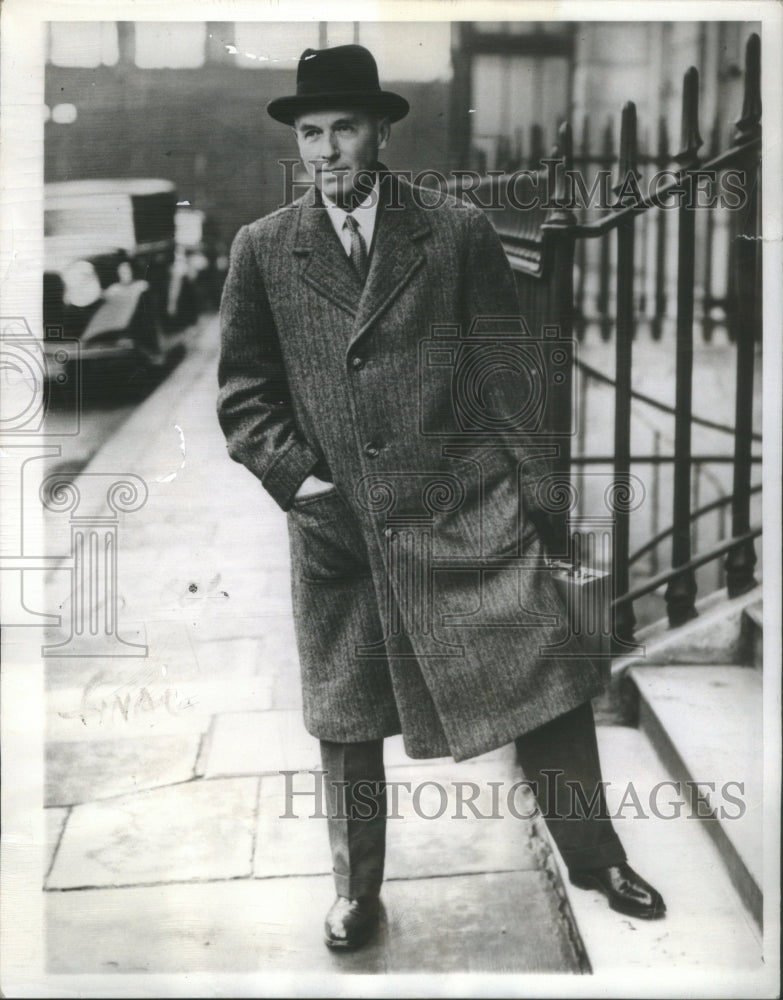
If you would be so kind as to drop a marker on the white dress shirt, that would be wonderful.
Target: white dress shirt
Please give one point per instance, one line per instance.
(364, 215)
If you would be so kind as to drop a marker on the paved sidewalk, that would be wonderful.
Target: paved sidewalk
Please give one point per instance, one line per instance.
(164, 790)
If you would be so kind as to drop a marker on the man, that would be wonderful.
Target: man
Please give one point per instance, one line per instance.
(328, 395)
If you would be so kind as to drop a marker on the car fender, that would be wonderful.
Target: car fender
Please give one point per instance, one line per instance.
(116, 313)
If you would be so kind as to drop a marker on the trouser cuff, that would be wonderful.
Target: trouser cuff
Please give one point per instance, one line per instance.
(353, 888)
(596, 856)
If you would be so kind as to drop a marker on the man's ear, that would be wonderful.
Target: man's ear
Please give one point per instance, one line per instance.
(384, 131)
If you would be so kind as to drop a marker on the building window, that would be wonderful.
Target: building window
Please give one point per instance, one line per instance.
(510, 94)
(84, 44)
(342, 33)
(409, 50)
(170, 45)
(270, 43)
(522, 28)
(511, 78)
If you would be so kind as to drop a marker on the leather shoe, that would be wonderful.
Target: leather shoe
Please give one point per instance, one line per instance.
(626, 891)
(350, 922)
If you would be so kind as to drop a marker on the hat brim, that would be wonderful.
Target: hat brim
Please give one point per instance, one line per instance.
(288, 109)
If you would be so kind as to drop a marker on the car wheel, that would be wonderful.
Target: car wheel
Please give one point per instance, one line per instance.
(187, 305)
(147, 333)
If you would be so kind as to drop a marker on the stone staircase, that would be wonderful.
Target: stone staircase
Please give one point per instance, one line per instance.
(683, 724)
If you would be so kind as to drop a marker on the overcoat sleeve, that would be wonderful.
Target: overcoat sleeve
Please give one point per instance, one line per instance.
(492, 293)
(254, 401)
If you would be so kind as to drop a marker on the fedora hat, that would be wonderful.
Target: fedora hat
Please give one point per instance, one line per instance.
(345, 76)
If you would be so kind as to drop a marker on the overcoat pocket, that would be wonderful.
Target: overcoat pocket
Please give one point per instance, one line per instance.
(492, 520)
(326, 539)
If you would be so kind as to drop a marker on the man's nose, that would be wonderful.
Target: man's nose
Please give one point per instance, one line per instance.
(327, 147)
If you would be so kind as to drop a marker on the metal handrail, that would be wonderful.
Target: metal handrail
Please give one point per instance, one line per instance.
(670, 574)
(663, 407)
(591, 230)
(695, 515)
(545, 252)
(655, 459)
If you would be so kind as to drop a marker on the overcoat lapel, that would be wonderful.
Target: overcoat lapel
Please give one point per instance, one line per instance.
(396, 255)
(327, 268)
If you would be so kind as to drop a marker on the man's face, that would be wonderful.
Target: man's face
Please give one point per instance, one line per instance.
(335, 146)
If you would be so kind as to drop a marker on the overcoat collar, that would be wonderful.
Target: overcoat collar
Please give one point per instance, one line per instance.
(396, 255)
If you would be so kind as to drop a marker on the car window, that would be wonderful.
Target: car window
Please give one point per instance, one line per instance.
(106, 219)
(153, 216)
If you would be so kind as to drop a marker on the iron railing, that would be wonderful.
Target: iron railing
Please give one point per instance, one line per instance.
(543, 246)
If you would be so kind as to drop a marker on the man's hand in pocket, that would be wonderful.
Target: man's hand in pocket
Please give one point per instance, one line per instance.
(311, 486)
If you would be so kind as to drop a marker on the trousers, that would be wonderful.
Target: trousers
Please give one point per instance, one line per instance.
(559, 759)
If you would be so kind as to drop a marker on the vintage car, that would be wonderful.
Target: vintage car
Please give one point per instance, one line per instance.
(201, 260)
(111, 278)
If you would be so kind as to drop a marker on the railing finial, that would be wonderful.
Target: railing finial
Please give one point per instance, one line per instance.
(565, 145)
(561, 165)
(536, 146)
(628, 139)
(690, 139)
(586, 137)
(627, 173)
(749, 124)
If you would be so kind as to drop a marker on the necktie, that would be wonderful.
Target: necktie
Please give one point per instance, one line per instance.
(358, 247)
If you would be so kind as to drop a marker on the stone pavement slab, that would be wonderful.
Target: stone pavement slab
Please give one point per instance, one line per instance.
(208, 629)
(239, 927)
(177, 688)
(79, 771)
(260, 663)
(298, 845)
(430, 832)
(262, 655)
(252, 742)
(260, 743)
(423, 843)
(197, 830)
(473, 923)
(169, 661)
(118, 706)
(493, 923)
(54, 821)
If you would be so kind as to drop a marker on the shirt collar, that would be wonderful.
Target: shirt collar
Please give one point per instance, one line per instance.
(364, 213)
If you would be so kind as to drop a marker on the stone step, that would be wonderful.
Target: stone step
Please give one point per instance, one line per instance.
(707, 931)
(753, 630)
(706, 724)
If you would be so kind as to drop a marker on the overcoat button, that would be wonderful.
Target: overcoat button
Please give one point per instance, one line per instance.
(357, 364)
(371, 450)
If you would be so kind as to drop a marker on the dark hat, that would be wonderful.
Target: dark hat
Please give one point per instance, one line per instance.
(345, 76)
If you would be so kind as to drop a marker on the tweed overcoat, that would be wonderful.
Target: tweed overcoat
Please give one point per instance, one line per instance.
(422, 604)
